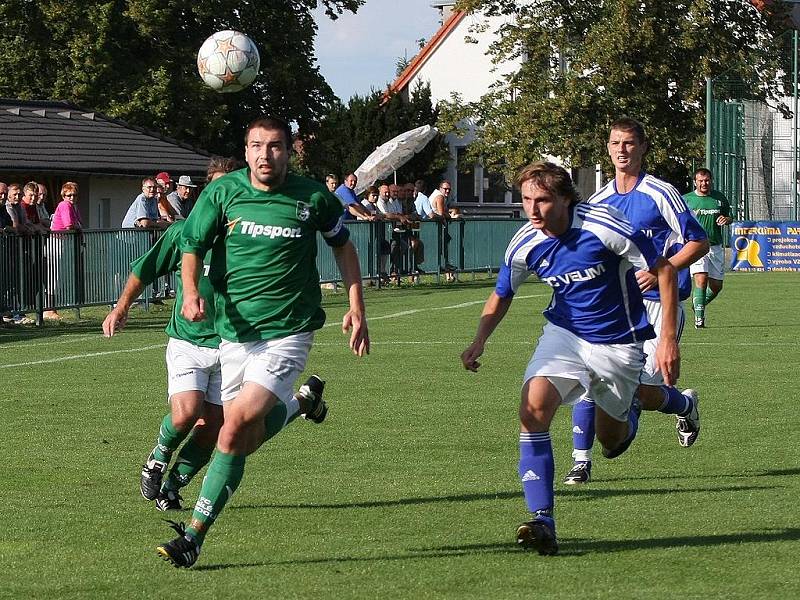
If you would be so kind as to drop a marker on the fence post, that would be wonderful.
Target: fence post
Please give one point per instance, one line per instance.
(38, 272)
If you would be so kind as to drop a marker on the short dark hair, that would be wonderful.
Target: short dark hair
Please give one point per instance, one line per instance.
(702, 171)
(550, 177)
(373, 189)
(271, 123)
(629, 124)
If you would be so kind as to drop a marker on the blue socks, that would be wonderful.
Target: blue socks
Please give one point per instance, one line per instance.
(583, 430)
(536, 470)
(675, 403)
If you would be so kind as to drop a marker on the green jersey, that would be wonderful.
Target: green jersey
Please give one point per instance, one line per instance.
(706, 210)
(165, 257)
(264, 268)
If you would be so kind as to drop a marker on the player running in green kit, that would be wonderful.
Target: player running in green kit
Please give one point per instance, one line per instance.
(262, 223)
(194, 381)
(713, 211)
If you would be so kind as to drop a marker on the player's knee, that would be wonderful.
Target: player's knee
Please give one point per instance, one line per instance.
(650, 397)
(612, 437)
(185, 412)
(212, 419)
(535, 416)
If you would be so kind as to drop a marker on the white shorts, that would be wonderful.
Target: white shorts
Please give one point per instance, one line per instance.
(606, 373)
(712, 263)
(654, 312)
(273, 364)
(193, 368)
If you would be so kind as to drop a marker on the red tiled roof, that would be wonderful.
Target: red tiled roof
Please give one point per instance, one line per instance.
(425, 53)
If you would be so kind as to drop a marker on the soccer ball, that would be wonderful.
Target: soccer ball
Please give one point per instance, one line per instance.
(228, 61)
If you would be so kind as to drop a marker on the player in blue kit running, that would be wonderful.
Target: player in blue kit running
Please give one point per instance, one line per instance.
(597, 325)
(656, 208)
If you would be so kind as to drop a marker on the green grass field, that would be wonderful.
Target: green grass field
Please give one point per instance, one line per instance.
(409, 489)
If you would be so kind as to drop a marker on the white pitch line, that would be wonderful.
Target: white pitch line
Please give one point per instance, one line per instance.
(414, 311)
(79, 356)
(332, 324)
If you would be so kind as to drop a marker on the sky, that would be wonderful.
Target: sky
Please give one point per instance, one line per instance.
(359, 52)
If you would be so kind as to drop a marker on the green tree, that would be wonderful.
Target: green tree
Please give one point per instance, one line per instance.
(647, 59)
(348, 134)
(136, 60)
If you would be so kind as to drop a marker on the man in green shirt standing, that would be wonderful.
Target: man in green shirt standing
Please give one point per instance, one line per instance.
(262, 224)
(713, 211)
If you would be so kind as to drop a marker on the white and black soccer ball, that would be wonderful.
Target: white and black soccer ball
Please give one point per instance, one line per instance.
(228, 61)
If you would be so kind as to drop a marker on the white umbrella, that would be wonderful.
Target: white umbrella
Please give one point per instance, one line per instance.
(390, 156)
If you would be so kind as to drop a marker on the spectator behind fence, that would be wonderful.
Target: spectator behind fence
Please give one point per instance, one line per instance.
(422, 204)
(5, 267)
(439, 198)
(29, 193)
(143, 211)
(331, 181)
(391, 206)
(65, 218)
(181, 199)
(219, 166)
(439, 201)
(370, 204)
(412, 231)
(166, 212)
(19, 222)
(6, 224)
(41, 205)
(347, 196)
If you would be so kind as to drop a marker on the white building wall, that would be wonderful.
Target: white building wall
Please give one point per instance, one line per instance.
(462, 67)
(108, 200)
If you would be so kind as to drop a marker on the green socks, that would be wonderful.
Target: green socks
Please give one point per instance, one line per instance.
(169, 439)
(190, 460)
(699, 302)
(223, 477)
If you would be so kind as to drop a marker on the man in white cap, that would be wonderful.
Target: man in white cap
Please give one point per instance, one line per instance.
(181, 198)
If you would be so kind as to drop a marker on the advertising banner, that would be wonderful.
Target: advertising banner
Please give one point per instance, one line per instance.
(765, 246)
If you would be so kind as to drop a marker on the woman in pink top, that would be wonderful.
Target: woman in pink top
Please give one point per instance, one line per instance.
(65, 218)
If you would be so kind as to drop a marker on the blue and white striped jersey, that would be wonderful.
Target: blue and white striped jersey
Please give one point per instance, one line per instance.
(656, 208)
(591, 270)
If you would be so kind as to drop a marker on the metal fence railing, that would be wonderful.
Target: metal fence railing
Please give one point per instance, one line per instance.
(68, 269)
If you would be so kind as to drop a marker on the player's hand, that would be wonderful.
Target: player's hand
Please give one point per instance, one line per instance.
(723, 220)
(115, 320)
(355, 322)
(647, 281)
(469, 358)
(193, 308)
(668, 360)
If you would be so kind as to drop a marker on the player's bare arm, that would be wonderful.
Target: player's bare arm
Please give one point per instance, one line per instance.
(668, 358)
(118, 316)
(355, 320)
(494, 311)
(193, 308)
